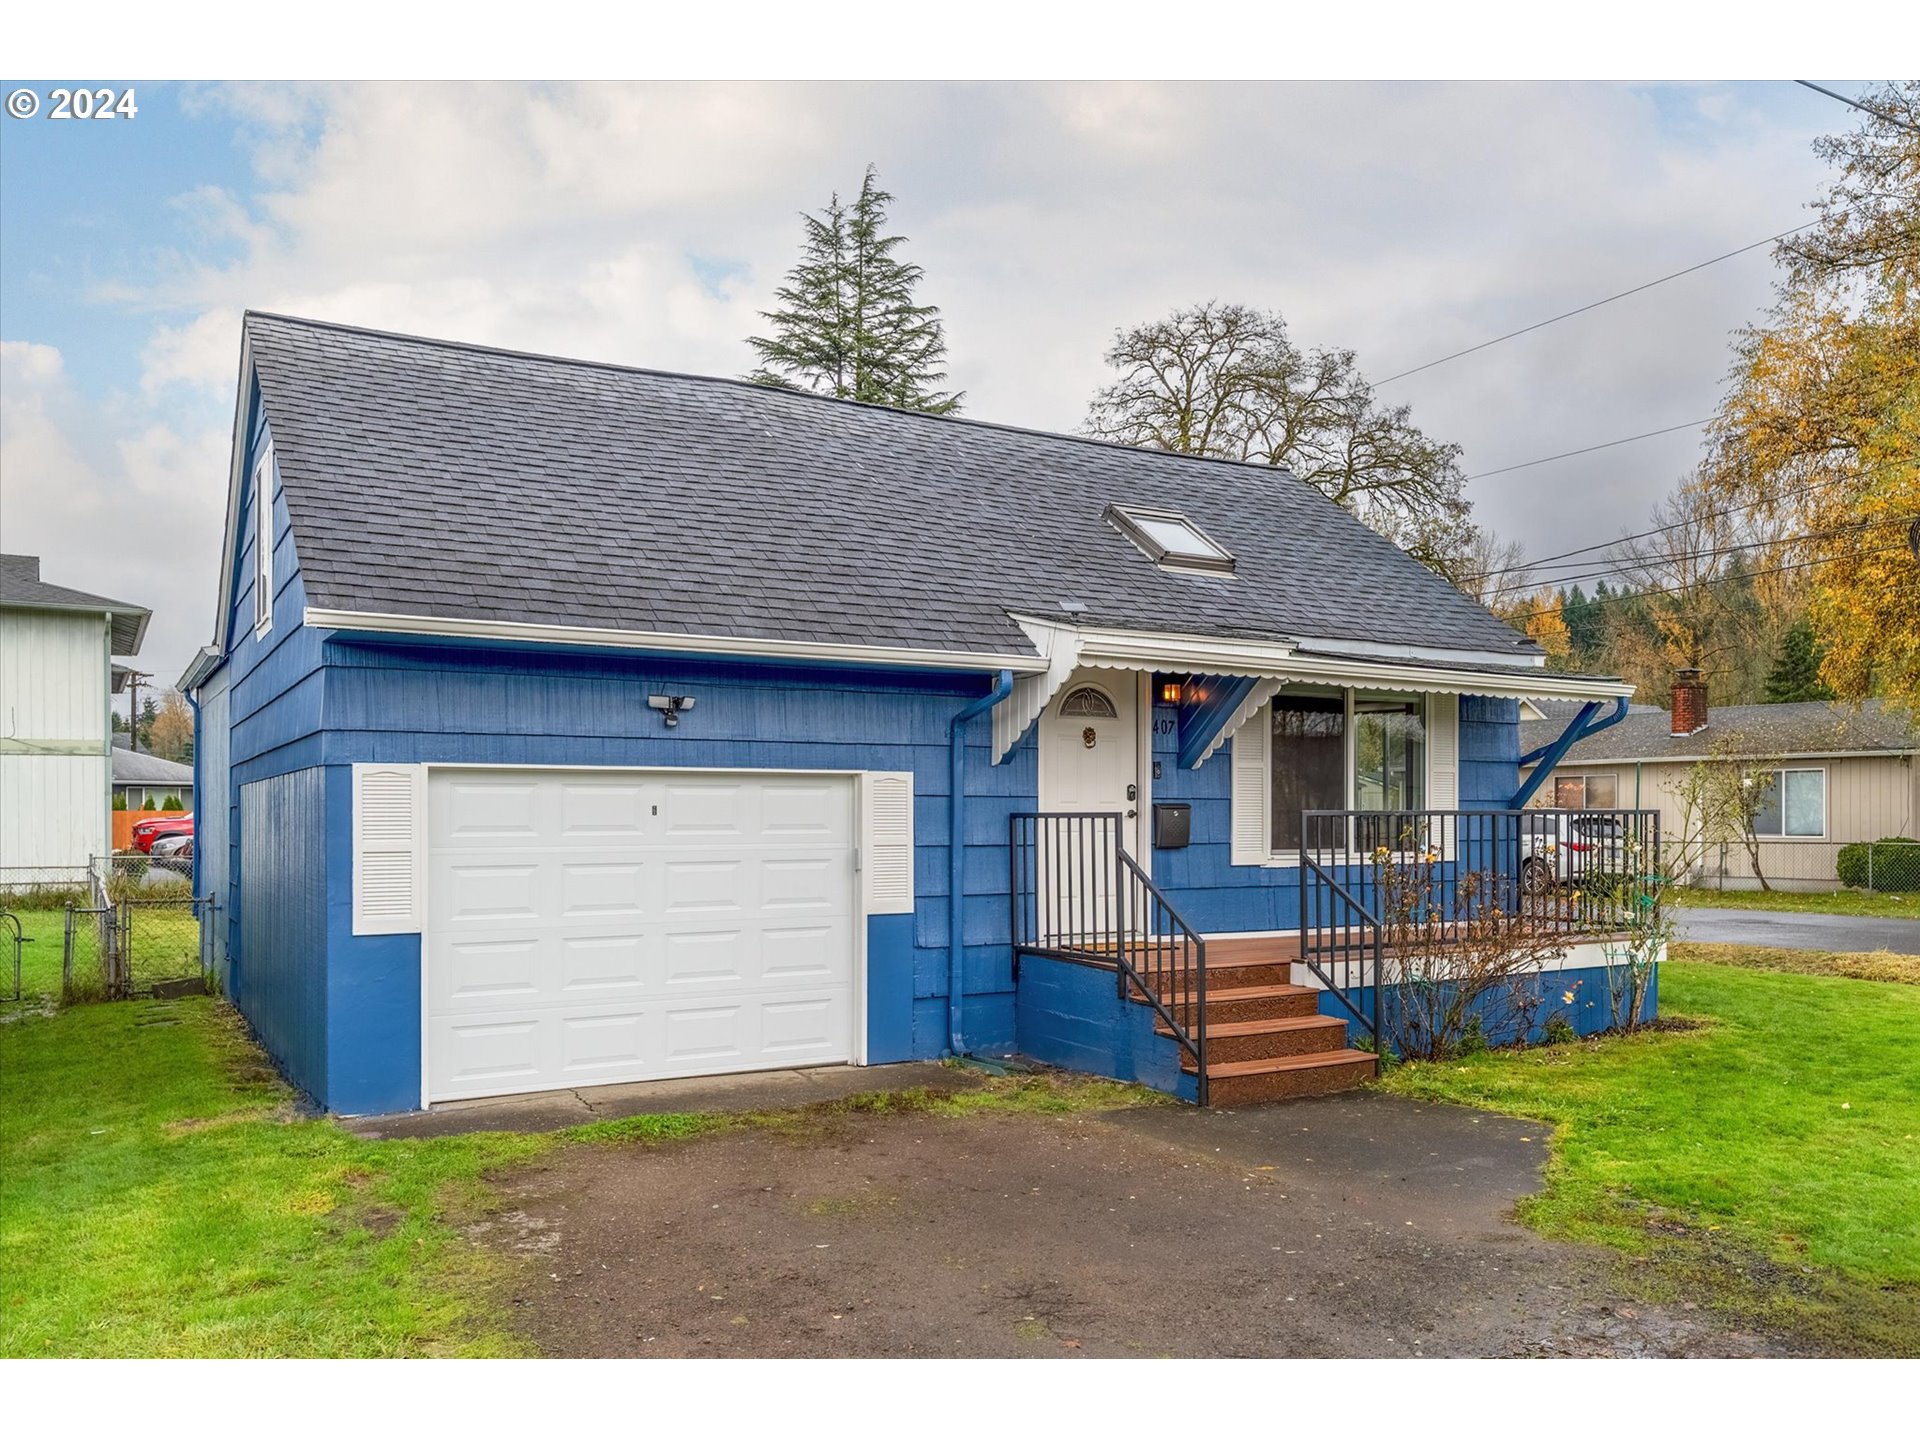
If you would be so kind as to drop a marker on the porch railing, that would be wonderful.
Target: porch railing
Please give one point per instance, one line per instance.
(1559, 872)
(1078, 895)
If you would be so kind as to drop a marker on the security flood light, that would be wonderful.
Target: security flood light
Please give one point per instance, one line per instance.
(670, 706)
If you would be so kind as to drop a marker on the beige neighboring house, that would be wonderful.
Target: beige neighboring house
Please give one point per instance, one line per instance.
(56, 676)
(1845, 773)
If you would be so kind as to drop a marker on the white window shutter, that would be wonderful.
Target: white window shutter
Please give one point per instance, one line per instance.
(389, 849)
(1252, 793)
(886, 841)
(1443, 758)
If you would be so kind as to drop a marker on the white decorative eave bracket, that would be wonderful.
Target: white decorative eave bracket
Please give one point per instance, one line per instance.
(1059, 646)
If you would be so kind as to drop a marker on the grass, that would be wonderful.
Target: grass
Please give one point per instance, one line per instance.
(1807, 902)
(1767, 1161)
(161, 1196)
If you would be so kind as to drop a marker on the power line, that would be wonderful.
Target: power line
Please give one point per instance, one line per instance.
(1631, 563)
(1569, 314)
(1697, 519)
(1877, 114)
(1709, 584)
(1589, 449)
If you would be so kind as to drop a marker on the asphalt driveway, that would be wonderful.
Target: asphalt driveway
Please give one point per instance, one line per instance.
(1795, 931)
(1352, 1225)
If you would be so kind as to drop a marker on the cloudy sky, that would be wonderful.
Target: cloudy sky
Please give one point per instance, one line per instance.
(648, 224)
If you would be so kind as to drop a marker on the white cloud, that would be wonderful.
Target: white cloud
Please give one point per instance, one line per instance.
(114, 498)
(1403, 221)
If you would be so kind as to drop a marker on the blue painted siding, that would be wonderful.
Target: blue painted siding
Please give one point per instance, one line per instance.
(279, 970)
(1072, 1016)
(457, 704)
(1590, 1011)
(1489, 752)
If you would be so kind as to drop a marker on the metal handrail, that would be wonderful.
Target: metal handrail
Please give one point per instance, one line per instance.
(1373, 938)
(1076, 894)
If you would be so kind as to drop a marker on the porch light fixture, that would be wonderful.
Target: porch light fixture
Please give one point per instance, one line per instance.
(1170, 539)
(1170, 692)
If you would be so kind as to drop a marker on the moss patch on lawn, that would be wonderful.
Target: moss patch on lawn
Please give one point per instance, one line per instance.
(1880, 965)
(1767, 1162)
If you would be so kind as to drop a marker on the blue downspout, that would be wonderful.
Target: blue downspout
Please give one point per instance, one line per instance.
(193, 877)
(957, 850)
(1546, 757)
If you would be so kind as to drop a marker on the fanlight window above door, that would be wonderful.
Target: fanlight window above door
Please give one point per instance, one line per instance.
(1088, 702)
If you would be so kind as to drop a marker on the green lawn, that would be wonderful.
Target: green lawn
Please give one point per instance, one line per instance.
(1820, 902)
(1767, 1161)
(160, 1196)
(45, 933)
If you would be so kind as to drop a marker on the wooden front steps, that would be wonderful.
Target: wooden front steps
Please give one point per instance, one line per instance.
(1266, 1038)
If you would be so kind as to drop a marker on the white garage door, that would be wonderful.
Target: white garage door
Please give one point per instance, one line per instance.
(591, 927)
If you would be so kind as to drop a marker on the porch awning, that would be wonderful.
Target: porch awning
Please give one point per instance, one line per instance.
(1270, 665)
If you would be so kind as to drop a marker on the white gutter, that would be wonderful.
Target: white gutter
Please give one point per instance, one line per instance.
(667, 641)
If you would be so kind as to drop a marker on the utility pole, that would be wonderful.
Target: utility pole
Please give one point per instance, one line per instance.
(134, 677)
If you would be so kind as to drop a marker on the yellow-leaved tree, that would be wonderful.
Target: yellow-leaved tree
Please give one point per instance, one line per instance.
(1820, 432)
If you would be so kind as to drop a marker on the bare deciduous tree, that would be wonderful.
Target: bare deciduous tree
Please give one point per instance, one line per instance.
(1228, 381)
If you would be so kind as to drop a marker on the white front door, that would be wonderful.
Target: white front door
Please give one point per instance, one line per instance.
(1089, 764)
(588, 927)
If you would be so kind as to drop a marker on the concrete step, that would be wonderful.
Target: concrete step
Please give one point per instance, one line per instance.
(1249, 1002)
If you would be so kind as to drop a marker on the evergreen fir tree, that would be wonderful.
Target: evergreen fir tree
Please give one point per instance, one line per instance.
(848, 324)
(1796, 667)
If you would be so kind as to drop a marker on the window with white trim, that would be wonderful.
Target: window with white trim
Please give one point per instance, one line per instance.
(1580, 791)
(263, 541)
(1795, 804)
(1342, 750)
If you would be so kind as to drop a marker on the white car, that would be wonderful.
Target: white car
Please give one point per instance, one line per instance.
(1563, 848)
(173, 852)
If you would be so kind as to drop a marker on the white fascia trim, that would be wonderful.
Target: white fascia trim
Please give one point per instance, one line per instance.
(1424, 652)
(669, 642)
(1280, 660)
(203, 664)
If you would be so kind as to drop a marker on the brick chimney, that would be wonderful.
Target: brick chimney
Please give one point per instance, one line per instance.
(1689, 703)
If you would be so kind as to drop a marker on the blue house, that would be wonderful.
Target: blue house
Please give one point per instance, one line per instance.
(569, 724)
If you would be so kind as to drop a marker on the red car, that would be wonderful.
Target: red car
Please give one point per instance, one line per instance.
(145, 832)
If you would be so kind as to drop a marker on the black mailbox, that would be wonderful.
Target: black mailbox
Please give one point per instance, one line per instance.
(1172, 824)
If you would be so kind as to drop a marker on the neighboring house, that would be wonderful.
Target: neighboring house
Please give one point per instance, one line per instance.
(1842, 773)
(56, 676)
(139, 777)
(575, 724)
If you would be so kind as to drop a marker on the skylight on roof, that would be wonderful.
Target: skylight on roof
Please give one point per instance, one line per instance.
(1171, 540)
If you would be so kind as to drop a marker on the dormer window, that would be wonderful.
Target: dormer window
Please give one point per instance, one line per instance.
(1170, 539)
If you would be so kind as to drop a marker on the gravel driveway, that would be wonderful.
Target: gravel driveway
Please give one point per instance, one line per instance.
(1351, 1225)
(1796, 931)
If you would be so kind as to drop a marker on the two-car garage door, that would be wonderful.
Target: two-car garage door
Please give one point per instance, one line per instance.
(588, 927)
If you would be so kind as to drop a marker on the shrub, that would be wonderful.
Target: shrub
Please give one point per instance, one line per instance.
(1888, 864)
(149, 805)
(1560, 1030)
(173, 803)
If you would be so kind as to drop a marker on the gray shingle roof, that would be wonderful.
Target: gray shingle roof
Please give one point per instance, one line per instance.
(139, 768)
(21, 585)
(430, 478)
(1813, 727)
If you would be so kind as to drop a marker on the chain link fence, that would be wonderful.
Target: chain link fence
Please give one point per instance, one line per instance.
(1891, 865)
(120, 927)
